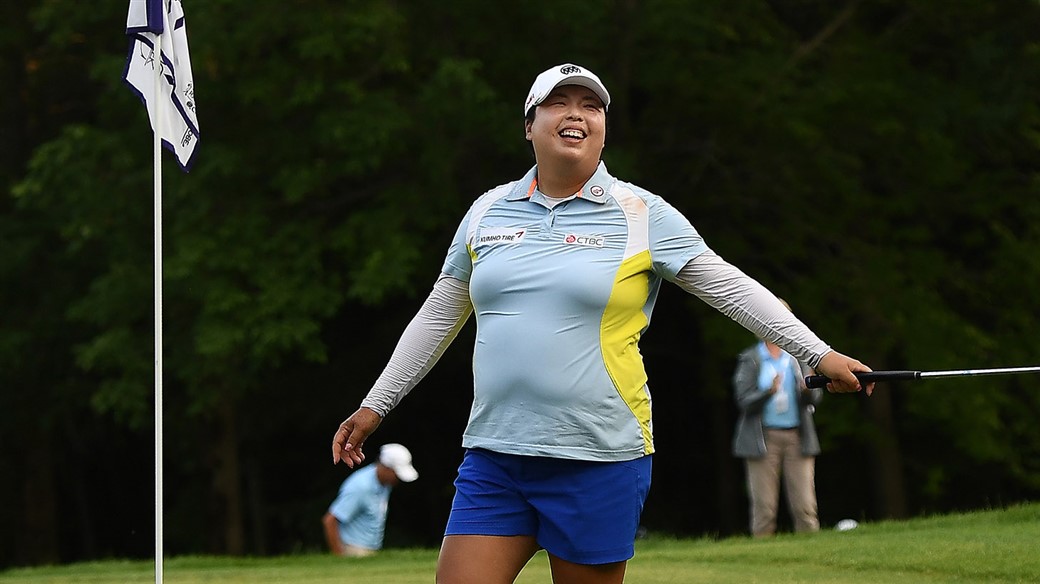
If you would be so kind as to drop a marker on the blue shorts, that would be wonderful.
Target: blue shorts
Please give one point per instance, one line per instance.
(581, 511)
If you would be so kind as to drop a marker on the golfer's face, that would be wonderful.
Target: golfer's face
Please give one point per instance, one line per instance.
(570, 124)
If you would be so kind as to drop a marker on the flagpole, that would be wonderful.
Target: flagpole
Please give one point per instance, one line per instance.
(157, 283)
(161, 78)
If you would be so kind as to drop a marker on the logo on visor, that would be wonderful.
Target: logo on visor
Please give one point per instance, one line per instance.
(570, 69)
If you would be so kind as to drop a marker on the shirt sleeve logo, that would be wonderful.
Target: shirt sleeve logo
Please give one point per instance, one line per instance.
(585, 240)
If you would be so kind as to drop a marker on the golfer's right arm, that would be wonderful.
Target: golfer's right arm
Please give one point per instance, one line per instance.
(423, 342)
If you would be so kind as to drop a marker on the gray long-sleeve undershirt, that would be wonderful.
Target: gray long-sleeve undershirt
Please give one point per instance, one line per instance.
(708, 276)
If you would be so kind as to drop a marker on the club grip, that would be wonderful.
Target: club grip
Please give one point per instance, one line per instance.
(813, 381)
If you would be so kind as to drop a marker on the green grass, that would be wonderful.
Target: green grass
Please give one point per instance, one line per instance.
(988, 546)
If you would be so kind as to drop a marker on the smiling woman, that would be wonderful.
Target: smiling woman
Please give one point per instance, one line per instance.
(562, 269)
(568, 134)
(570, 129)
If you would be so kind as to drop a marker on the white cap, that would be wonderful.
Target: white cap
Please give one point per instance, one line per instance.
(398, 459)
(566, 74)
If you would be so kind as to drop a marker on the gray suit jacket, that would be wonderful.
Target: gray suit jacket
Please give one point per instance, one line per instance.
(749, 438)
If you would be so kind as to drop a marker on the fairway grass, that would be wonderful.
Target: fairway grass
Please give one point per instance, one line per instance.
(998, 546)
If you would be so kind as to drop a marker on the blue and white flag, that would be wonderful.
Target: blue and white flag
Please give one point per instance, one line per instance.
(158, 38)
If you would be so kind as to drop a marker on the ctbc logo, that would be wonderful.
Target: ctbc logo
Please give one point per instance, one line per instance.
(570, 70)
(586, 240)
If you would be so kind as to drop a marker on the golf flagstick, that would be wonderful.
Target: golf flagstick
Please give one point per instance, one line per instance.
(813, 381)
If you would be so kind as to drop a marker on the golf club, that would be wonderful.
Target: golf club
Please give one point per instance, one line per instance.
(870, 376)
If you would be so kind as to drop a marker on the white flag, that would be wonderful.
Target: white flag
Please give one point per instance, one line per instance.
(158, 38)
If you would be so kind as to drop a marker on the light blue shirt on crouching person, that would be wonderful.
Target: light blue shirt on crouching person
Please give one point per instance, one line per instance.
(361, 508)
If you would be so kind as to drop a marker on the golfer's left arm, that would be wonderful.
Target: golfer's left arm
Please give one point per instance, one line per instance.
(740, 297)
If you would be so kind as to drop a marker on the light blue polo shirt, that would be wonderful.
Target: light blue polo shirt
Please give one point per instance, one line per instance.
(562, 296)
(361, 507)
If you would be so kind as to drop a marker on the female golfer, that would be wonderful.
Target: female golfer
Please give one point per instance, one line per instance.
(562, 268)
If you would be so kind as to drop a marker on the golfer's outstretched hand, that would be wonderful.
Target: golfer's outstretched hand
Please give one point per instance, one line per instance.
(839, 368)
(351, 436)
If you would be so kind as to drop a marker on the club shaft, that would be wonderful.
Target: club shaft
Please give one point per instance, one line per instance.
(971, 372)
(872, 376)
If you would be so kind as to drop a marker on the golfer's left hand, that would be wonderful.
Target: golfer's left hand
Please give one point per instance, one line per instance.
(351, 436)
(839, 368)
